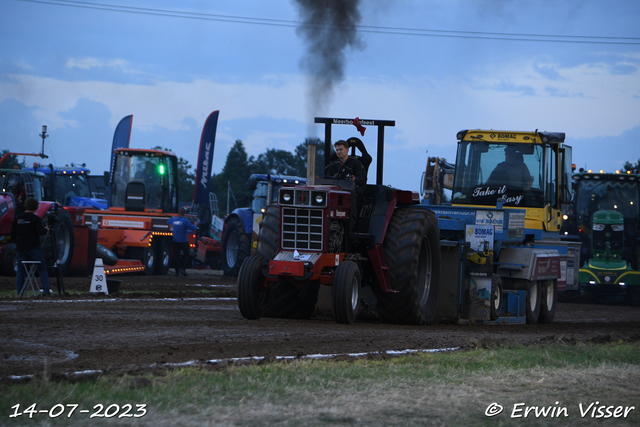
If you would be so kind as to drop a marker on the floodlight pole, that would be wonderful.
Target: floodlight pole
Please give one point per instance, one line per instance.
(44, 136)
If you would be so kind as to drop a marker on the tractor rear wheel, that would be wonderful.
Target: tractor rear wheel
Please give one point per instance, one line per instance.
(549, 301)
(250, 288)
(9, 263)
(412, 252)
(269, 235)
(345, 292)
(496, 296)
(62, 228)
(236, 246)
(533, 301)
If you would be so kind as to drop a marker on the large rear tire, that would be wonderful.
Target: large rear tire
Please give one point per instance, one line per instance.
(345, 292)
(9, 263)
(63, 230)
(236, 246)
(412, 253)
(250, 290)
(269, 236)
(534, 301)
(549, 301)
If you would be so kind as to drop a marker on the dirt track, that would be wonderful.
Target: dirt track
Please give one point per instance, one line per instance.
(137, 332)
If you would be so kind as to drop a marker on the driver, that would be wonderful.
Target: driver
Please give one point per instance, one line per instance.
(512, 172)
(347, 167)
(352, 170)
(609, 201)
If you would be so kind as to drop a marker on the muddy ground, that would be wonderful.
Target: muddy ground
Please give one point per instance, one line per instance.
(196, 320)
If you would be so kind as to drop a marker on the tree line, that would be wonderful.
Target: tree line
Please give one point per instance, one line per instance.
(634, 168)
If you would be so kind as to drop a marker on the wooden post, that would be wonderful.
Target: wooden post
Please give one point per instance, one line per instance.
(311, 164)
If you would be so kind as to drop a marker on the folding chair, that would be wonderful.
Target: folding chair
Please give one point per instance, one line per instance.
(30, 280)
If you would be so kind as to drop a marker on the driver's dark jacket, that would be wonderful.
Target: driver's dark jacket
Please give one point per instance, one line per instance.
(338, 168)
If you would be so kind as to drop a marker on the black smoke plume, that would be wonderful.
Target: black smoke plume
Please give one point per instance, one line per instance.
(328, 28)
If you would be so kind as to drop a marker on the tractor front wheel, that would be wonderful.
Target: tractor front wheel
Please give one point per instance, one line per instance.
(251, 292)
(345, 292)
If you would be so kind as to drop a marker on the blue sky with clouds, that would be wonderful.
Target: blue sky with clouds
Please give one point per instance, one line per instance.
(80, 66)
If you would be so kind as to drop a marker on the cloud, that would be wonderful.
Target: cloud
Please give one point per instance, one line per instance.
(89, 63)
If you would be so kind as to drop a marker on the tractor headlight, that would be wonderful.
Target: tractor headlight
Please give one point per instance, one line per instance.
(286, 197)
(617, 227)
(319, 198)
(597, 227)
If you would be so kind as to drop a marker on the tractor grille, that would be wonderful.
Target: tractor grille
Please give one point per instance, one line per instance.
(302, 229)
(600, 239)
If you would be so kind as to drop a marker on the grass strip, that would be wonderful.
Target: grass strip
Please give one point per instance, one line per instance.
(557, 384)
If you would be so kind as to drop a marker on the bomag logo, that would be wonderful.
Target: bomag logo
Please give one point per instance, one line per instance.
(503, 135)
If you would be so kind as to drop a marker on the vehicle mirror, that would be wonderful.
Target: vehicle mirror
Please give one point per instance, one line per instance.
(480, 147)
(252, 183)
(526, 149)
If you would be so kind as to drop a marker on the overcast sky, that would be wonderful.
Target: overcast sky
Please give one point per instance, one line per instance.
(433, 66)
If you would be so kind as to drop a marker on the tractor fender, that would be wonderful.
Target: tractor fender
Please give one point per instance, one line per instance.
(246, 217)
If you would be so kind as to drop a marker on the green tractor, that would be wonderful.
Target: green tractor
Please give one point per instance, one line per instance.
(606, 276)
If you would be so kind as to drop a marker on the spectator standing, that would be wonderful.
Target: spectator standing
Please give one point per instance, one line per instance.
(180, 226)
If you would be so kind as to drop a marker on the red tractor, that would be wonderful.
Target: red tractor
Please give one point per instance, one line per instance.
(312, 237)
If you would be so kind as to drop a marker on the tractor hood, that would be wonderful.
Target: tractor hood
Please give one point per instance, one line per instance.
(608, 217)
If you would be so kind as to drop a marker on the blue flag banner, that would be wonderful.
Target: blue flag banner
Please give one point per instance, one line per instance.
(121, 138)
(205, 159)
